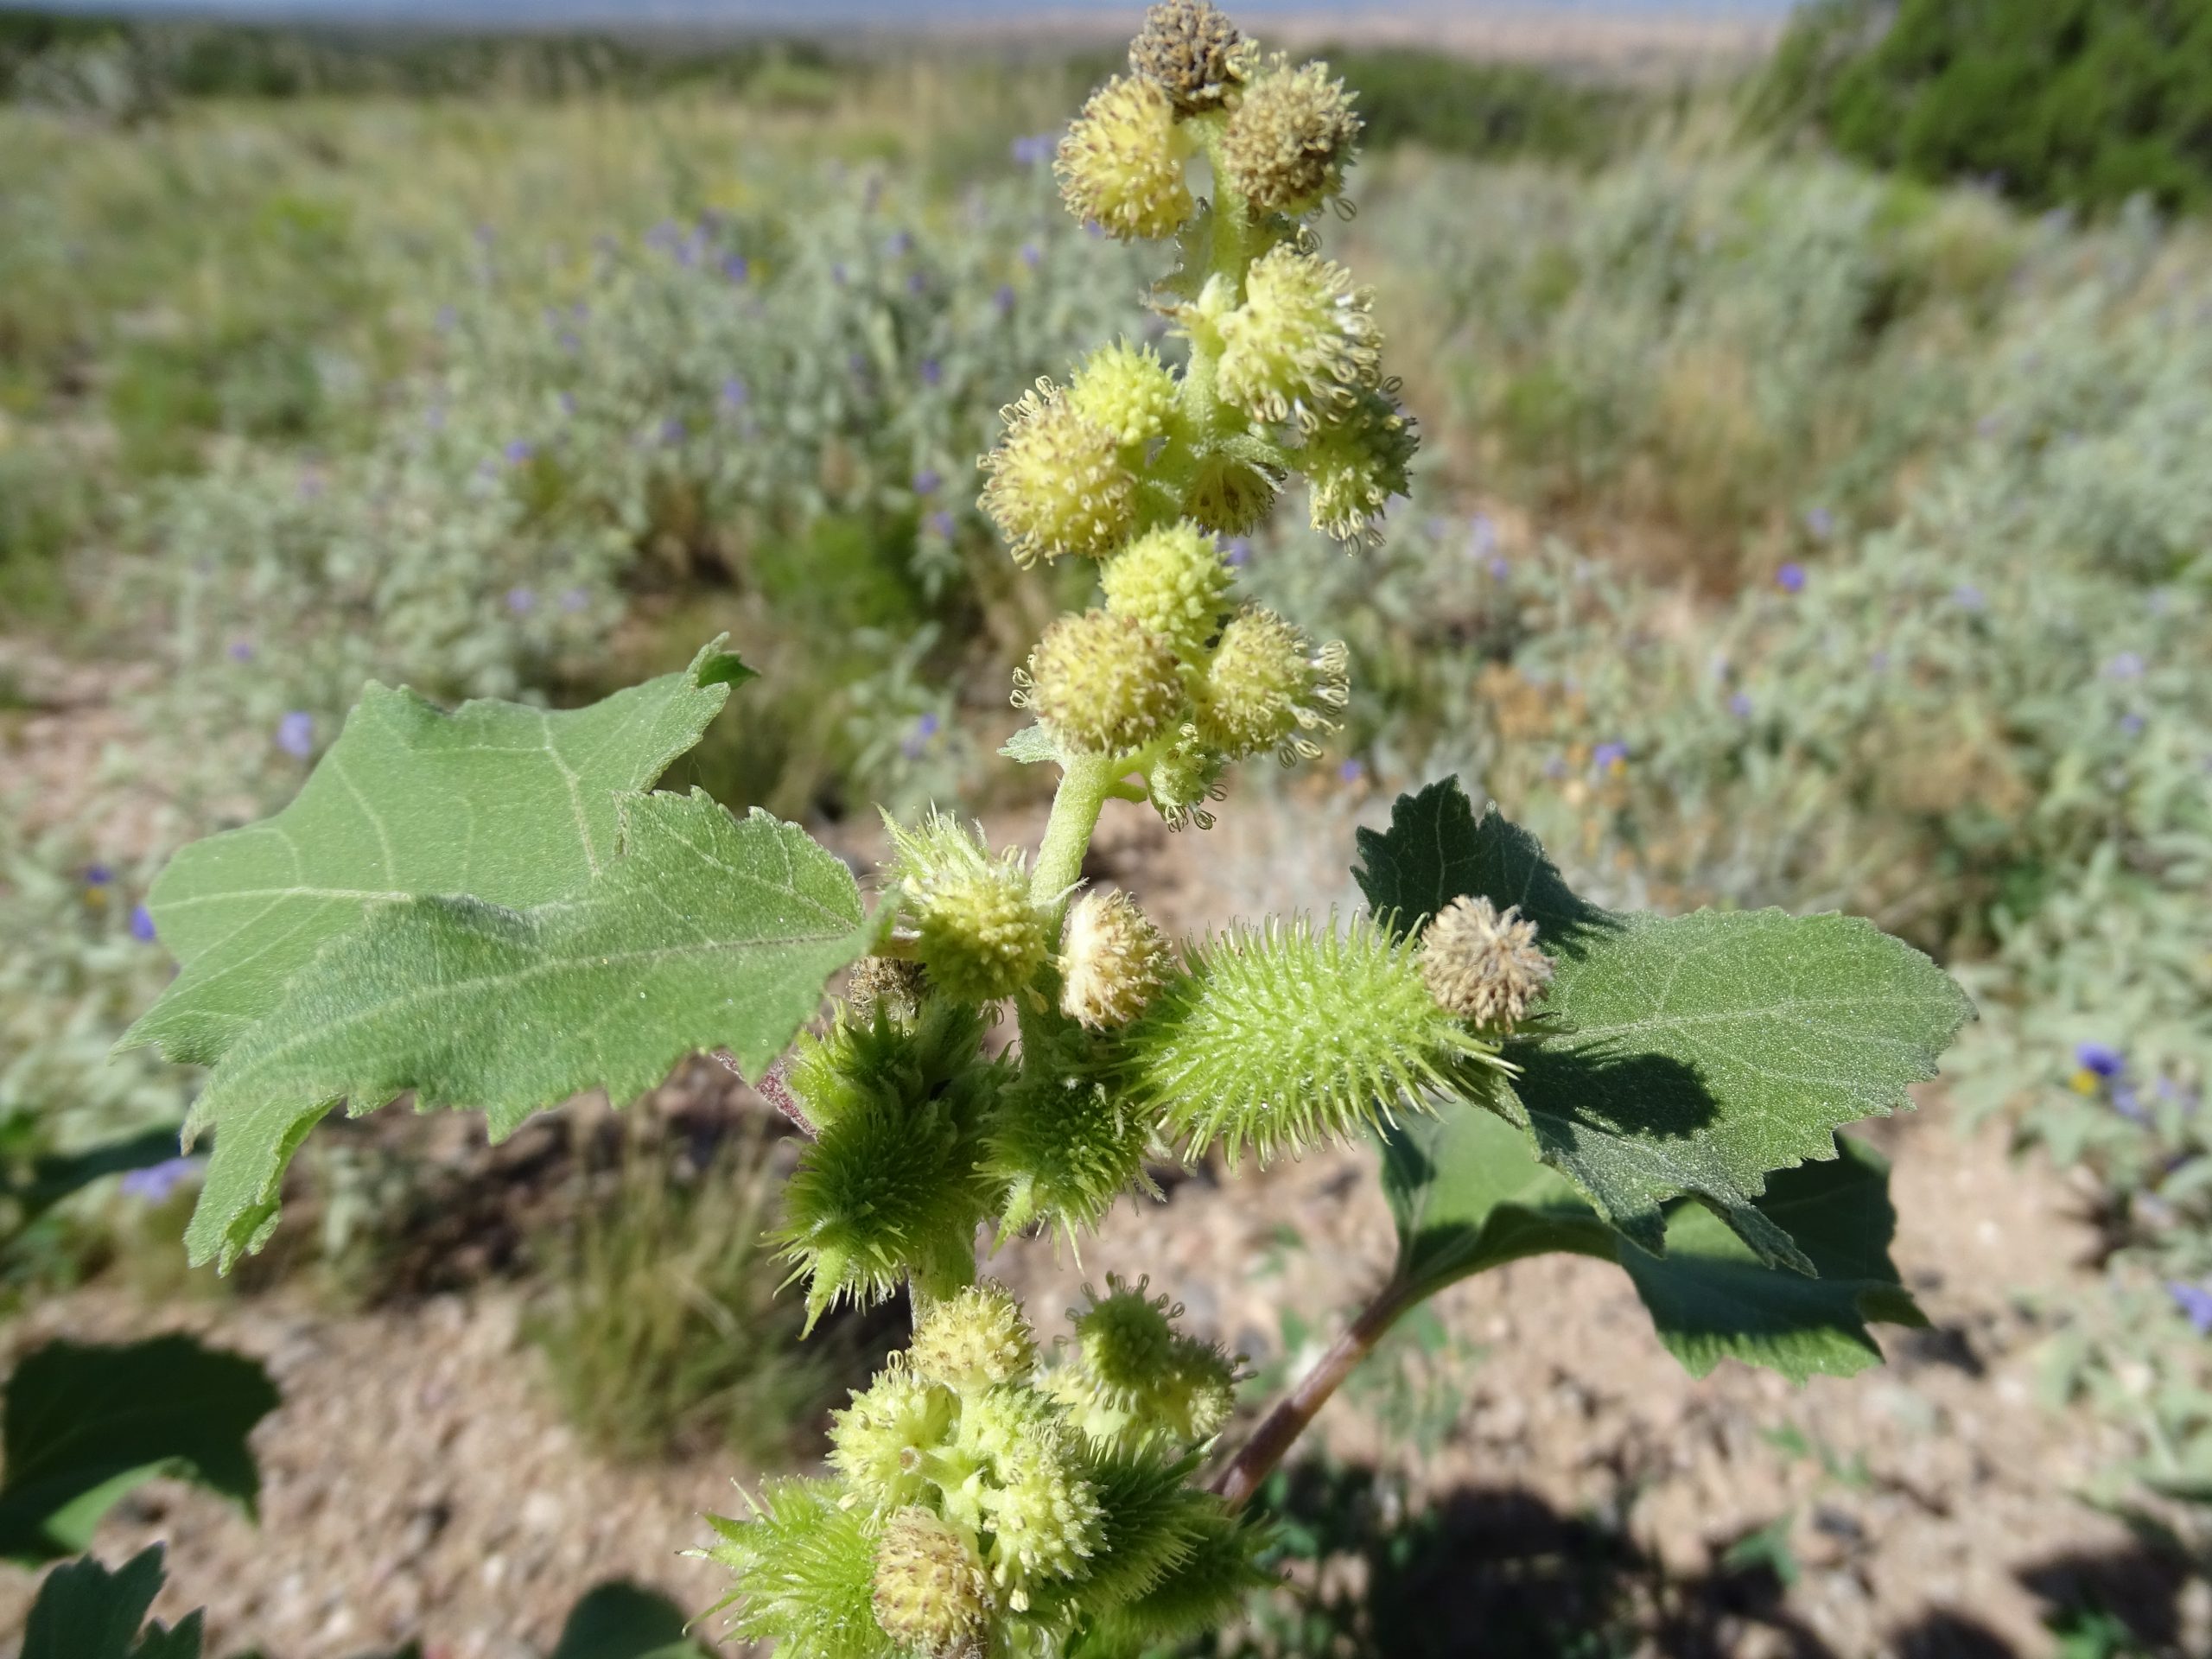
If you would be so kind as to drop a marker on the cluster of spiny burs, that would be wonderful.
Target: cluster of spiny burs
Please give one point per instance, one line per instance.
(982, 1503)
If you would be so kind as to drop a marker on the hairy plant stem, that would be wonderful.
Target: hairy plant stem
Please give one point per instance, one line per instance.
(1085, 782)
(1278, 1430)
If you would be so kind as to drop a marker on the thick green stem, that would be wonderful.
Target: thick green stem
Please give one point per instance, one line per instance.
(1257, 1459)
(1085, 782)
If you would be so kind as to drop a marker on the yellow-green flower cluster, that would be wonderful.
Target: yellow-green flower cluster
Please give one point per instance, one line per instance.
(1057, 483)
(980, 935)
(973, 1512)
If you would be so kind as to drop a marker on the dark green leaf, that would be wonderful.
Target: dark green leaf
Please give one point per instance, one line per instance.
(622, 1620)
(1701, 1051)
(512, 805)
(705, 932)
(1712, 1298)
(1469, 1194)
(85, 1611)
(85, 1424)
(1435, 851)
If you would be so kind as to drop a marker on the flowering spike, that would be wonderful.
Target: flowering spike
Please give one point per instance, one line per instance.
(1111, 964)
(1290, 139)
(885, 1442)
(974, 1340)
(1192, 51)
(1101, 685)
(1267, 687)
(1303, 344)
(1174, 581)
(1136, 1381)
(1056, 485)
(1483, 966)
(932, 1596)
(1121, 164)
(1127, 390)
(1355, 465)
(981, 937)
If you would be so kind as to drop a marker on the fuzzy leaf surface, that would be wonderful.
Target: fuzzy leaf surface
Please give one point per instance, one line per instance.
(706, 931)
(511, 804)
(1469, 1193)
(1700, 1053)
(1436, 850)
(1686, 1055)
(86, 1423)
(85, 1611)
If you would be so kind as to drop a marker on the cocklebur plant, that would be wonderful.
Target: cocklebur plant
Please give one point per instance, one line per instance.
(494, 909)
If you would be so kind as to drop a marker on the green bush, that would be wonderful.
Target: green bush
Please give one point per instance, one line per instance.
(2053, 101)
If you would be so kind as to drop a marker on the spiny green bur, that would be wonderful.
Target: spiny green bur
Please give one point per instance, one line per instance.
(492, 909)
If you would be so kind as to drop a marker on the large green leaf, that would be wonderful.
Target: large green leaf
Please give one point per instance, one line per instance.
(85, 1611)
(1712, 1298)
(85, 1424)
(1689, 1055)
(705, 932)
(512, 805)
(1469, 1194)
(1435, 850)
(1700, 1053)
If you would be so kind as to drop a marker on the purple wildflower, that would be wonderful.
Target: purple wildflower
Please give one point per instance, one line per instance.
(926, 481)
(1034, 149)
(898, 245)
(448, 319)
(296, 734)
(241, 650)
(1821, 522)
(141, 924)
(916, 283)
(672, 430)
(837, 273)
(933, 372)
(1032, 255)
(1790, 578)
(1004, 299)
(1237, 553)
(157, 1181)
(736, 267)
(574, 599)
(97, 875)
(918, 739)
(735, 393)
(2100, 1059)
(1968, 597)
(1481, 536)
(2126, 1101)
(1740, 705)
(519, 450)
(1608, 756)
(940, 523)
(521, 600)
(2127, 666)
(1555, 766)
(1351, 771)
(1501, 567)
(2132, 724)
(2196, 1302)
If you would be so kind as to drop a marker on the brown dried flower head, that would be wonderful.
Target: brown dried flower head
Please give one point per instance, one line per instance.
(1484, 966)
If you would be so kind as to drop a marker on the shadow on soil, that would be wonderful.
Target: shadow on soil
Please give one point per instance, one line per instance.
(1498, 1570)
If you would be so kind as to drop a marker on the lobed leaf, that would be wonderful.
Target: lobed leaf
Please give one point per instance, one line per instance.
(706, 931)
(513, 805)
(1469, 1193)
(85, 1424)
(85, 1611)
(1690, 1055)
(1702, 1051)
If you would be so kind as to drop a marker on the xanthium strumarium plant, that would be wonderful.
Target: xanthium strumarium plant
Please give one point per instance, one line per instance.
(492, 908)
